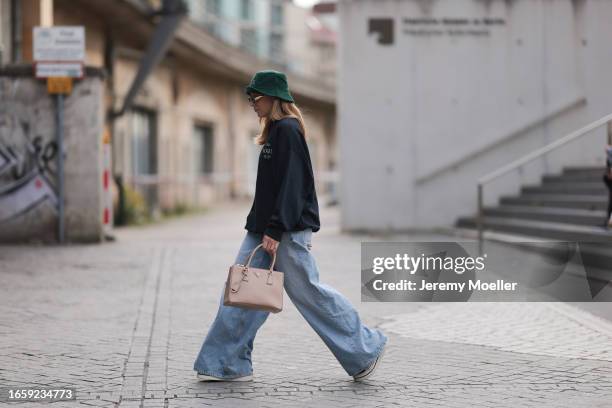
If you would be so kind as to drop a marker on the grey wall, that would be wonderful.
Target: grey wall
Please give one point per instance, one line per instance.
(423, 115)
(28, 159)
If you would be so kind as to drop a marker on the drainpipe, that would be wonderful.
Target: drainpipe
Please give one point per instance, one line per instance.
(172, 12)
(15, 31)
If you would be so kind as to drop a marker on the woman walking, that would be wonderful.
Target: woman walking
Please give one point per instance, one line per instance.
(282, 218)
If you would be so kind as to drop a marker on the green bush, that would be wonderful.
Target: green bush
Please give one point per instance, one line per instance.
(136, 210)
(178, 209)
(182, 208)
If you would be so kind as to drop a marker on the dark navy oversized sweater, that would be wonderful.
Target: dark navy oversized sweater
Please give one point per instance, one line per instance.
(285, 197)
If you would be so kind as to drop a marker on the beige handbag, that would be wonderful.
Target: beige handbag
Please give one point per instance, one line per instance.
(254, 288)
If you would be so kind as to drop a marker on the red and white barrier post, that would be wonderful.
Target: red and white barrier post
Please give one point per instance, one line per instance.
(107, 194)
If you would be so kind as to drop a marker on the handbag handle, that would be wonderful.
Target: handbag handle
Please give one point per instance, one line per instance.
(246, 269)
(253, 253)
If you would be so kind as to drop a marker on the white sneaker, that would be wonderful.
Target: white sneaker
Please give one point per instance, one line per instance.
(206, 377)
(370, 370)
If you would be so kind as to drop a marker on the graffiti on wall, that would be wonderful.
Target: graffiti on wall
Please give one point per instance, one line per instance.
(26, 164)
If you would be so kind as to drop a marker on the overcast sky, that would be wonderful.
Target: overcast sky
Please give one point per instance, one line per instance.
(305, 3)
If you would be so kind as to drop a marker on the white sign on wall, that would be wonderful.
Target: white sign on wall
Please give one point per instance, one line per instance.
(59, 69)
(61, 43)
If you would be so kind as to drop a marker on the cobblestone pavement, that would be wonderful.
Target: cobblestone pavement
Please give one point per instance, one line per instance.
(122, 322)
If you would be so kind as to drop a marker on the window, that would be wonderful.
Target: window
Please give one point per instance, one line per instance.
(276, 47)
(312, 151)
(203, 149)
(276, 14)
(211, 22)
(143, 135)
(144, 142)
(213, 6)
(248, 39)
(253, 152)
(246, 9)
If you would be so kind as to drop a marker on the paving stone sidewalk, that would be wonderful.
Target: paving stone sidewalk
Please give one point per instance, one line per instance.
(122, 322)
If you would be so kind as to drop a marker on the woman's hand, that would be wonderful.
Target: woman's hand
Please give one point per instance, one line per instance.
(269, 244)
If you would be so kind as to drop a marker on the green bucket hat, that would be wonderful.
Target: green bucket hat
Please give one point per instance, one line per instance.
(270, 82)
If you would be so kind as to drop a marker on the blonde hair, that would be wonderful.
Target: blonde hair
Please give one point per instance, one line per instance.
(280, 109)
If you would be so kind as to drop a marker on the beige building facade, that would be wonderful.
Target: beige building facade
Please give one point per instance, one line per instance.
(187, 138)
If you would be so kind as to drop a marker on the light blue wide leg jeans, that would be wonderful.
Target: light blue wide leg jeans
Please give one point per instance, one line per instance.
(226, 350)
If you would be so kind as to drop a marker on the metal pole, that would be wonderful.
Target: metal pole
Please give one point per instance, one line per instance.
(479, 219)
(610, 132)
(60, 164)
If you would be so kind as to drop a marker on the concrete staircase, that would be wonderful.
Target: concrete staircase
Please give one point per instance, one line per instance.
(569, 207)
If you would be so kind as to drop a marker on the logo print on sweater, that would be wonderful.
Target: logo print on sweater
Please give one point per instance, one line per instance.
(266, 151)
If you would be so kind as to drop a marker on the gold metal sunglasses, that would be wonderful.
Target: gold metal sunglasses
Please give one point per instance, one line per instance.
(255, 99)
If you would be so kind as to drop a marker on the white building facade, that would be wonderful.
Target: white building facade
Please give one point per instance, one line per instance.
(433, 94)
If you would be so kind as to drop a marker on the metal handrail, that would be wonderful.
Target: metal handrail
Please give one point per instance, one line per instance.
(528, 158)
